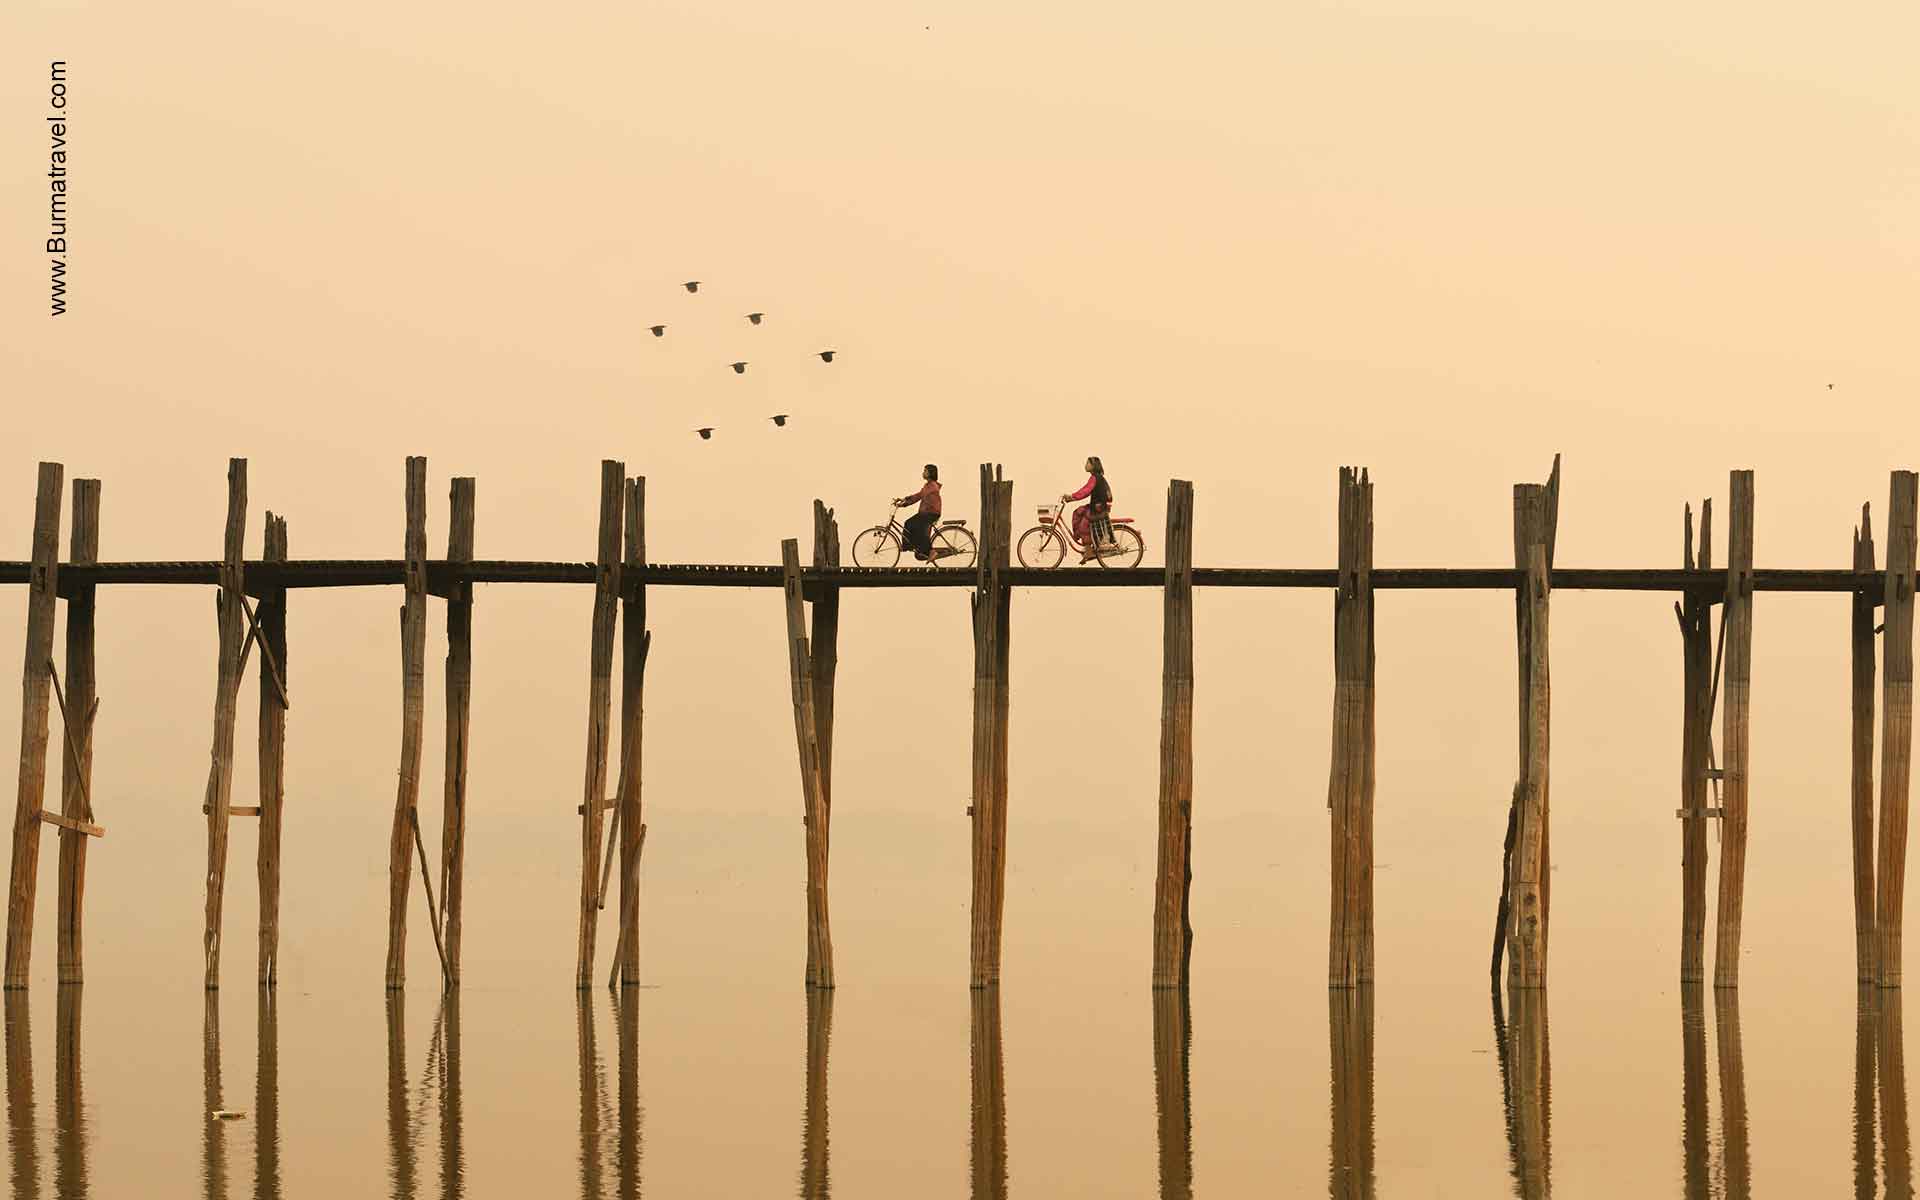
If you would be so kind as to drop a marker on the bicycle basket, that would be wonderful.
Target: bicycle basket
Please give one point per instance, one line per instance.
(1046, 514)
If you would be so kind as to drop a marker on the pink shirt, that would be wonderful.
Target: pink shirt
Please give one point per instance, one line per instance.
(929, 498)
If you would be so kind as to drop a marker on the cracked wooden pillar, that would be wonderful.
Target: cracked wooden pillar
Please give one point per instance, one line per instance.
(1696, 745)
(1896, 746)
(459, 704)
(593, 805)
(824, 646)
(1534, 509)
(1350, 783)
(635, 641)
(1738, 675)
(273, 751)
(230, 609)
(806, 734)
(36, 687)
(76, 772)
(1173, 882)
(991, 612)
(1866, 599)
(413, 713)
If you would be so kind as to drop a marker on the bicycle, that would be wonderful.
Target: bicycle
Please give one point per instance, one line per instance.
(881, 545)
(1116, 543)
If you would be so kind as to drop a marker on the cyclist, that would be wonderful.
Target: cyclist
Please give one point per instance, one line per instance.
(919, 527)
(1099, 499)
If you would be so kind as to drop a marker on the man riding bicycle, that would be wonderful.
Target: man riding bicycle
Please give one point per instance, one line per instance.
(919, 527)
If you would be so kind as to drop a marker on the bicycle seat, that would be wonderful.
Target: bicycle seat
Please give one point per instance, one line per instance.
(952, 523)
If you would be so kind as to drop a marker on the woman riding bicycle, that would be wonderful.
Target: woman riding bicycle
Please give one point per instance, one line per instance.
(1099, 499)
(919, 527)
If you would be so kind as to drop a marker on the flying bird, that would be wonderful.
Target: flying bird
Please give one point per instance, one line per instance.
(827, 355)
(1829, 387)
(778, 418)
(739, 368)
(658, 330)
(755, 317)
(692, 285)
(705, 432)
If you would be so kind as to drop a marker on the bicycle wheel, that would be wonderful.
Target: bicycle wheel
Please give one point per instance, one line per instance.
(953, 546)
(1041, 547)
(1125, 550)
(876, 547)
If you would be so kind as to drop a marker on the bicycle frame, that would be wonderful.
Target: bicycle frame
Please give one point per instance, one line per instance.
(1064, 524)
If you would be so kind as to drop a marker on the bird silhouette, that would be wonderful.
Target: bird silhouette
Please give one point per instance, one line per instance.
(658, 330)
(755, 317)
(739, 368)
(827, 355)
(778, 418)
(705, 432)
(1829, 387)
(692, 285)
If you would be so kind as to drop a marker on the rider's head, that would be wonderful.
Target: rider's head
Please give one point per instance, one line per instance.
(1094, 467)
(930, 473)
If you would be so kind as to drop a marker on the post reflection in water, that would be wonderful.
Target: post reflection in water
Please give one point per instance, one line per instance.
(266, 1100)
(989, 1171)
(23, 1167)
(593, 1102)
(1696, 1171)
(70, 1131)
(400, 1134)
(815, 1181)
(626, 1011)
(213, 1154)
(407, 1108)
(1526, 1084)
(1891, 1071)
(1736, 1169)
(453, 1167)
(1350, 1051)
(1173, 1090)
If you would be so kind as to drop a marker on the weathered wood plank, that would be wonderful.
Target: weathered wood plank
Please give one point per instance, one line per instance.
(1001, 550)
(1172, 926)
(1696, 741)
(606, 613)
(1738, 681)
(1527, 919)
(806, 735)
(73, 824)
(232, 622)
(635, 642)
(824, 645)
(1350, 785)
(36, 688)
(983, 969)
(1896, 745)
(273, 753)
(413, 716)
(459, 704)
(76, 775)
(1863, 653)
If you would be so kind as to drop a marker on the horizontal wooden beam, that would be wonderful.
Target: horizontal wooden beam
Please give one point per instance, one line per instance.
(73, 824)
(237, 810)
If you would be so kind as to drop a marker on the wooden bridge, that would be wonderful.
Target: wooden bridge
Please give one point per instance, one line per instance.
(612, 827)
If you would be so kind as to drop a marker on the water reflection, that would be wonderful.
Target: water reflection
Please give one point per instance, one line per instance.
(213, 1136)
(815, 1182)
(1890, 1063)
(609, 1129)
(626, 1011)
(1350, 1050)
(989, 1167)
(70, 1114)
(23, 1164)
(1694, 1134)
(453, 1166)
(266, 1098)
(1526, 1074)
(401, 1132)
(1736, 1164)
(1173, 1090)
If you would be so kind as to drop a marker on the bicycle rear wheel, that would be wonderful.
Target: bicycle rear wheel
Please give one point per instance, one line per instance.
(876, 547)
(1041, 547)
(953, 546)
(1125, 550)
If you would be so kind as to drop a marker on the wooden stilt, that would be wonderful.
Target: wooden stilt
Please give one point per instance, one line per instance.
(815, 1177)
(635, 640)
(1736, 1168)
(1896, 746)
(1738, 682)
(606, 612)
(1529, 1090)
(1350, 1049)
(989, 657)
(1527, 916)
(989, 1142)
(824, 646)
(806, 734)
(213, 1145)
(23, 1125)
(1173, 1090)
(1696, 743)
(36, 686)
(1864, 601)
(232, 618)
(266, 1096)
(273, 752)
(1865, 1164)
(413, 716)
(1890, 1059)
(459, 702)
(77, 764)
(1696, 1143)
(71, 1116)
(1172, 924)
(1350, 785)
(1001, 550)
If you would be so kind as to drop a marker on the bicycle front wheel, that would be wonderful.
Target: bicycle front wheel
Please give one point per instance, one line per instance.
(1125, 550)
(1041, 547)
(953, 546)
(876, 547)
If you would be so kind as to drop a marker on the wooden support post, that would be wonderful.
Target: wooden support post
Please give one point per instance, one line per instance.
(459, 702)
(1896, 745)
(1173, 883)
(1695, 1136)
(989, 1142)
(606, 613)
(226, 700)
(36, 688)
(1864, 602)
(76, 773)
(806, 734)
(1527, 914)
(815, 1176)
(1350, 782)
(1002, 551)
(635, 641)
(71, 1134)
(266, 1095)
(1736, 1167)
(1696, 742)
(1350, 1049)
(1738, 667)
(1173, 1090)
(991, 610)
(273, 752)
(413, 716)
(824, 646)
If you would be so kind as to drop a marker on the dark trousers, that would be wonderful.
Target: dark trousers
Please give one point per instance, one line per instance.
(919, 534)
